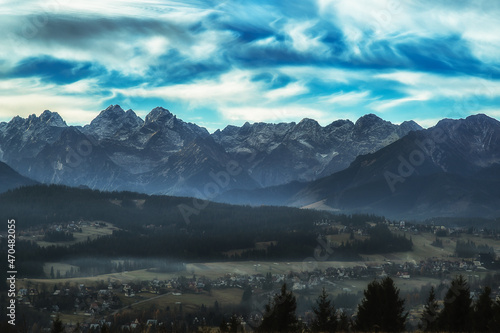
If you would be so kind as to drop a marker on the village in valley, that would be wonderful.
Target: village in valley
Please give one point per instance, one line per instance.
(212, 290)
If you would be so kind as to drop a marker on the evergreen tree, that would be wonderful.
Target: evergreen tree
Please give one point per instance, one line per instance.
(268, 282)
(279, 313)
(77, 328)
(247, 294)
(344, 323)
(495, 323)
(381, 309)
(326, 317)
(431, 313)
(483, 311)
(457, 312)
(246, 299)
(223, 327)
(57, 326)
(234, 323)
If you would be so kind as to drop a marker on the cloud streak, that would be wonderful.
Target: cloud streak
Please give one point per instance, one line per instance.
(235, 61)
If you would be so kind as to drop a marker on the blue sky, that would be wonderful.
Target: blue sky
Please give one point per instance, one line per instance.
(226, 62)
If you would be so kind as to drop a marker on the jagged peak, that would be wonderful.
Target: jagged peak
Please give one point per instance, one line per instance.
(17, 120)
(112, 107)
(481, 117)
(411, 125)
(228, 129)
(130, 114)
(370, 117)
(340, 123)
(308, 121)
(112, 110)
(160, 109)
(47, 113)
(47, 117)
(52, 119)
(368, 121)
(445, 121)
(481, 121)
(158, 114)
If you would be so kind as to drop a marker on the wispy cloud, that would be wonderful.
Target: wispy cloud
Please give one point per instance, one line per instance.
(27, 96)
(270, 114)
(234, 61)
(349, 98)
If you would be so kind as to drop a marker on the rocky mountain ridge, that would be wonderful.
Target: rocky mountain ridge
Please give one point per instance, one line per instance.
(280, 153)
(451, 169)
(163, 154)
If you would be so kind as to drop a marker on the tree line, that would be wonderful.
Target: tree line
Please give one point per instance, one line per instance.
(383, 310)
(459, 313)
(156, 228)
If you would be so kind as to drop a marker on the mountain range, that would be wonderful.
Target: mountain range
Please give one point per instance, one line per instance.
(451, 169)
(371, 165)
(165, 155)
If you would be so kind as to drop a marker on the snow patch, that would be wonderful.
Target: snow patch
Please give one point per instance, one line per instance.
(305, 143)
(273, 147)
(58, 165)
(131, 163)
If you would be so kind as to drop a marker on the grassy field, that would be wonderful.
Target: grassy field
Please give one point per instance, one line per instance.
(422, 248)
(421, 251)
(211, 270)
(190, 302)
(58, 266)
(88, 232)
(258, 246)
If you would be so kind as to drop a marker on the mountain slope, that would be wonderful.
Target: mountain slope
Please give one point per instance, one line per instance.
(22, 139)
(10, 179)
(452, 169)
(119, 151)
(277, 154)
(75, 159)
(200, 169)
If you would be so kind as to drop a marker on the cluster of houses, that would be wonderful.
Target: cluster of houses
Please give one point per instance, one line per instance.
(99, 302)
(87, 300)
(71, 227)
(432, 267)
